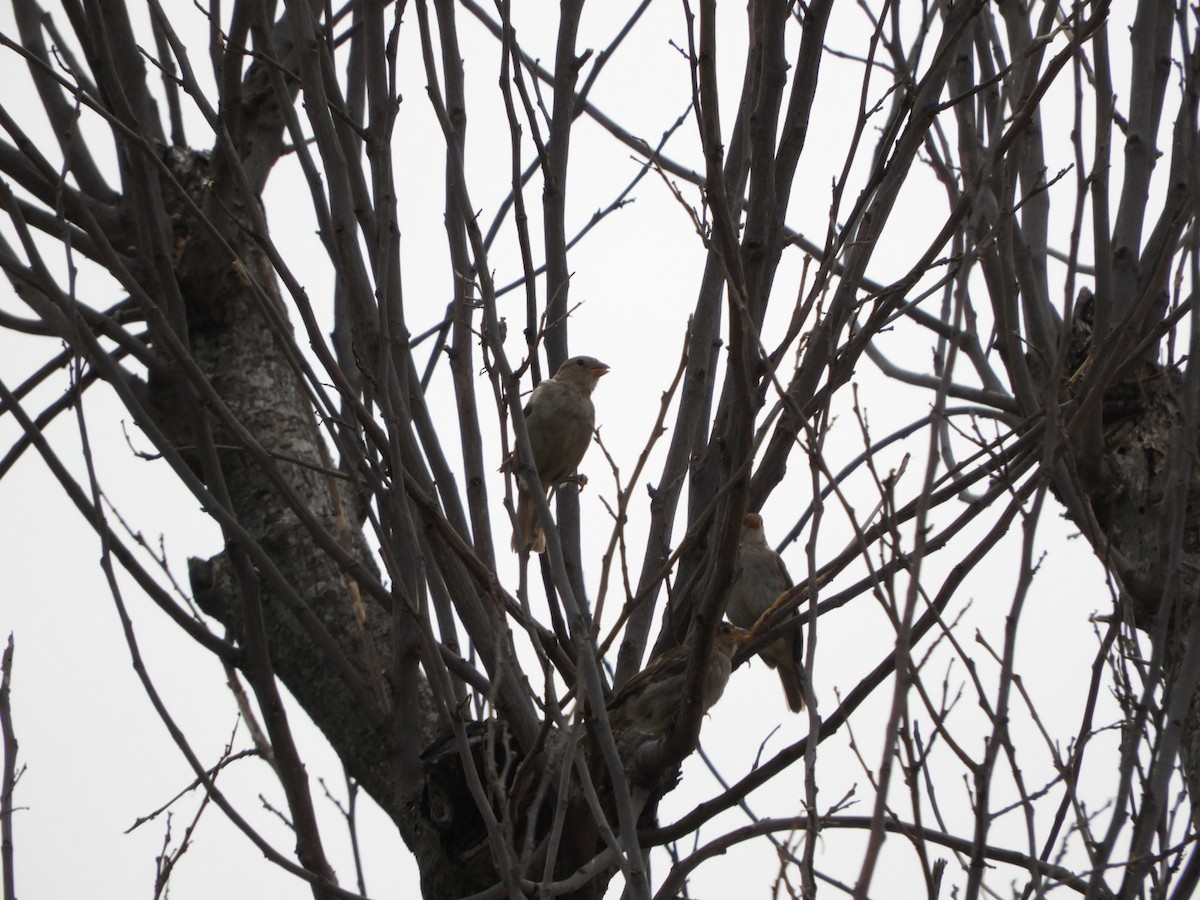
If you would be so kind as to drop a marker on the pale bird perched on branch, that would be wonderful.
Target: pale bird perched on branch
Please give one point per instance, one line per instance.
(652, 699)
(759, 577)
(560, 419)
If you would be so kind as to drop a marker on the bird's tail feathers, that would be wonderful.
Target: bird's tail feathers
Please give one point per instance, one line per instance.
(791, 674)
(793, 687)
(529, 532)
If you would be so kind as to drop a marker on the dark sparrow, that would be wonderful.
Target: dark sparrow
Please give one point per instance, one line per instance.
(560, 419)
(651, 700)
(759, 577)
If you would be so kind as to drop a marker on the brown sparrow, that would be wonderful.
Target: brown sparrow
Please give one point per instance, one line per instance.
(560, 419)
(651, 700)
(759, 577)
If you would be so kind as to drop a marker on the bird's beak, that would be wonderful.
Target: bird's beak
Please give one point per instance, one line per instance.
(741, 636)
(598, 369)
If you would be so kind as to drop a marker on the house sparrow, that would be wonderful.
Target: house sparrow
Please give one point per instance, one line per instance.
(650, 701)
(759, 577)
(559, 418)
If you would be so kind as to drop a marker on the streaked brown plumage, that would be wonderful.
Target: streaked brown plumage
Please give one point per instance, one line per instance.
(650, 701)
(560, 419)
(759, 578)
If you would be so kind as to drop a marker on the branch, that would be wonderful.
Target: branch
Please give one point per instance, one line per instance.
(8, 779)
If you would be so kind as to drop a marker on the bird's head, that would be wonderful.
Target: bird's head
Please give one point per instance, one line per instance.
(731, 635)
(752, 529)
(583, 371)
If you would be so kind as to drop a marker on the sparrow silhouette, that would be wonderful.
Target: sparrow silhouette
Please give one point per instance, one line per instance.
(651, 700)
(560, 419)
(759, 577)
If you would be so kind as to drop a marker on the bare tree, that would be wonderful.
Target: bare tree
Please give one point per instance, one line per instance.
(1048, 286)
